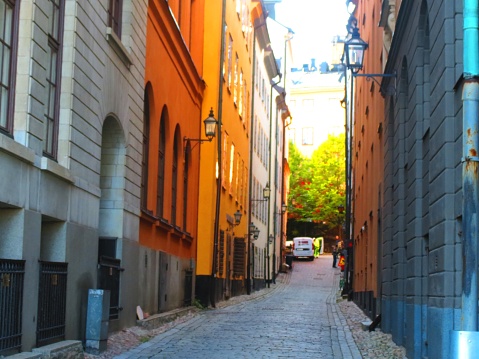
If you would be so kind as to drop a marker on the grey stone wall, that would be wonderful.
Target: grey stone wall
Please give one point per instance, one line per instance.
(51, 210)
(421, 286)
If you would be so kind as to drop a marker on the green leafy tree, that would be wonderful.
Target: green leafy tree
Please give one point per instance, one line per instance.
(317, 184)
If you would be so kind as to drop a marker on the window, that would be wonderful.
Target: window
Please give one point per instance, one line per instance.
(54, 12)
(161, 168)
(307, 136)
(244, 91)
(174, 181)
(226, 51)
(230, 60)
(223, 159)
(114, 16)
(235, 84)
(241, 183)
(256, 74)
(308, 104)
(144, 160)
(9, 10)
(240, 102)
(232, 166)
(185, 186)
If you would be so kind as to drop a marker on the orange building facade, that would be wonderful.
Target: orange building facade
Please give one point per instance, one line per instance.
(222, 242)
(368, 164)
(170, 163)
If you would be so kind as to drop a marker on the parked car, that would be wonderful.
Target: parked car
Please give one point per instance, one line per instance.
(303, 248)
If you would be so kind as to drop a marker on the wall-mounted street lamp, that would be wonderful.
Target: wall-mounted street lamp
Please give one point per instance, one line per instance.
(284, 207)
(340, 208)
(210, 129)
(354, 50)
(235, 220)
(266, 194)
(237, 216)
(254, 230)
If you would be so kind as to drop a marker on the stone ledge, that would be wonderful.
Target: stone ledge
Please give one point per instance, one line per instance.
(24, 355)
(67, 349)
(158, 320)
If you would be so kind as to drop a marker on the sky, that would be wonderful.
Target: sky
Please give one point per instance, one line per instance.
(315, 23)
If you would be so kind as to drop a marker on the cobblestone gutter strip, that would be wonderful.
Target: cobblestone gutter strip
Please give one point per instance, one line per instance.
(374, 344)
(130, 338)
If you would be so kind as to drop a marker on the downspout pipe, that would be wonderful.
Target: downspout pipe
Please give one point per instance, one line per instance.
(465, 342)
(470, 165)
(250, 176)
(220, 174)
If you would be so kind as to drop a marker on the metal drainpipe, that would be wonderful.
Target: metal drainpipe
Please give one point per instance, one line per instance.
(220, 174)
(470, 165)
(270, 182)
(250, 177)
(465, 343)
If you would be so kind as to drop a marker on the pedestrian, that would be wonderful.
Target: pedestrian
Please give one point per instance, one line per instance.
(342, 261)
(316, 248)
(335, 256)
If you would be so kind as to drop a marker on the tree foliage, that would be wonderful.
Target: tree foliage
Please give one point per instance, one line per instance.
(318, 185)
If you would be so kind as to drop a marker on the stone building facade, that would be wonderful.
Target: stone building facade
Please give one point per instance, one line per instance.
(418, 224)
(71, 114)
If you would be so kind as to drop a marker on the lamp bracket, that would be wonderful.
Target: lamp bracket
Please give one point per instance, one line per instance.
(370, 77)
(200, 140)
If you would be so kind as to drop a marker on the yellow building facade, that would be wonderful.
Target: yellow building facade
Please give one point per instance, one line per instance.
(223, 191)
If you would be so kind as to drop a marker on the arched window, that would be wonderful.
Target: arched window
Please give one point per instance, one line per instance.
(174, 178)
(160, 195)
(185, 186)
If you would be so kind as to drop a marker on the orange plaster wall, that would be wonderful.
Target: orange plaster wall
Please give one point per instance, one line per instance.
(175, 84)
(368, 165)
(232, 124)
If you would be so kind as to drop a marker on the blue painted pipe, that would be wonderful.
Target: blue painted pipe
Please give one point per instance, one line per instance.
(470, 167)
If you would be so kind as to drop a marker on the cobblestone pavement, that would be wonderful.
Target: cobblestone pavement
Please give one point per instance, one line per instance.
(301, 316)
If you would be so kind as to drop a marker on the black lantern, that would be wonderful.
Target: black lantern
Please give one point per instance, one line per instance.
(210, 125)
(354, 49)
(266, 191)
(237, 216)
(255, 233)
(210, 130)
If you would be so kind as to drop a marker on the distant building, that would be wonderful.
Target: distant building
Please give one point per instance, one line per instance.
(315, 104)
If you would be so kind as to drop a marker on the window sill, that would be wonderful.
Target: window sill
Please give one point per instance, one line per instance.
(148, 216)
(118, 46)
(17, 150)
(56, 169)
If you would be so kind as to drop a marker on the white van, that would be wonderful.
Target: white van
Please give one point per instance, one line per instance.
(303, 247)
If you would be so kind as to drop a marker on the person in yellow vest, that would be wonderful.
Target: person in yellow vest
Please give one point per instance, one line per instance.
(316, 247)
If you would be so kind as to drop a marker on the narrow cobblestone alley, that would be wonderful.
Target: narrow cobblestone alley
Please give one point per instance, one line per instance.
(297, 318)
